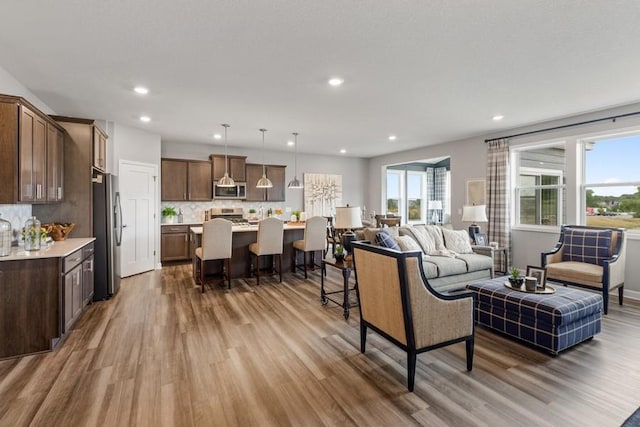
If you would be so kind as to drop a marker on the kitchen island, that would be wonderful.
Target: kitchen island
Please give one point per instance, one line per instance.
(243, 235)
(43, 294)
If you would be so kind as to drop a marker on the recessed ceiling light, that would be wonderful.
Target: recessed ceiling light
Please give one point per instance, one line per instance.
(145, 119)
(217, 136)
(497, 118)
(141, 90)
(392, 137)
(343, 151)
(336, 81)
(291, 143)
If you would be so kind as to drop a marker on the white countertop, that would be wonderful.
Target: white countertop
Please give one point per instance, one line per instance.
(254, 228)
(56, 250)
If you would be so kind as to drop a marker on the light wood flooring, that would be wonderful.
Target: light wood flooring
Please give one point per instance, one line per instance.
(161, 353)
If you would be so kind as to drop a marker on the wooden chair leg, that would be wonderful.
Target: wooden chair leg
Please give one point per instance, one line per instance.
(202, 265)
(620, 294)
(228, 262)
(294, 254)
(304, 261)
(411, 368)
(258, 269)
(280, 266)
(469, 345)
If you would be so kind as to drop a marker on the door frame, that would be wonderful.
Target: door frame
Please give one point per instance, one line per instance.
(156, 196)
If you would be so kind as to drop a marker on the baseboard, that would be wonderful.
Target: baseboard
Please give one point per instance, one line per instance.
(159, 266)
(634, 295)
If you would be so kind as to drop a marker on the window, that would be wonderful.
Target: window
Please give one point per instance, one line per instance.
(539, 191)
(395, 181)
(612, 182)
(416, 195)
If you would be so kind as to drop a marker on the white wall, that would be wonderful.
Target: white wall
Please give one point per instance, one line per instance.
(468, 160)
(128, 143)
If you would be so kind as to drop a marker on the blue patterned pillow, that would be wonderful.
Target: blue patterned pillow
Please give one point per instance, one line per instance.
(384, 239)
(590, 246)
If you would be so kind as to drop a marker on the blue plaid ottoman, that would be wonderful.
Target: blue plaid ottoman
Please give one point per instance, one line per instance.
(553, 322)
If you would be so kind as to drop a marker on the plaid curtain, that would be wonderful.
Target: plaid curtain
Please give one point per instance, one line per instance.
(498, 192)
(440, 189)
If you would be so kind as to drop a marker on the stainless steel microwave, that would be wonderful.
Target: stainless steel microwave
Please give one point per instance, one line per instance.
(238, 191)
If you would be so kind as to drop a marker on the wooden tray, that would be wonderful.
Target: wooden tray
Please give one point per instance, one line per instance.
(547, 290)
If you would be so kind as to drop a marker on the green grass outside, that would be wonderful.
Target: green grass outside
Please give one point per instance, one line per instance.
(613, 221)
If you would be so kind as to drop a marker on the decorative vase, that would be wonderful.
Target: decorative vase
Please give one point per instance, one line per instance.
(339, 257)
(32, 234)
(516, 282)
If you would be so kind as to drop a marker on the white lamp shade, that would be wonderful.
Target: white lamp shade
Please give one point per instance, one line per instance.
(435, 204)
(474, 214)
(348, 217)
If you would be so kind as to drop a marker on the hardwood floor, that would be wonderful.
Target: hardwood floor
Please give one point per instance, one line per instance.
(162, 353)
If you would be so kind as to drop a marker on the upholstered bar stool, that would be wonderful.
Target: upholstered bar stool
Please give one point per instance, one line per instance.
(314, 240)
(216, 245)
(269, 242)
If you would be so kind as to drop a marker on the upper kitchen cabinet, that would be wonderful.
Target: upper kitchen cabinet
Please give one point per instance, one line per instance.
(99, 149)
(277, 176)
(55, 164)
(79, 136)
(235, 165)
(27, 170)
(186, 180)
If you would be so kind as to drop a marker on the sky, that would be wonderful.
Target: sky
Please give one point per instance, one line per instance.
(614, 160)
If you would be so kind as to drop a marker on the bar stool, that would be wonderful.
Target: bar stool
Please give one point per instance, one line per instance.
(269, 242)
(216, 245)
(314, 240)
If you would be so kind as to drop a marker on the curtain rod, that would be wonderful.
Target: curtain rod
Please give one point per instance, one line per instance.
(587, 122)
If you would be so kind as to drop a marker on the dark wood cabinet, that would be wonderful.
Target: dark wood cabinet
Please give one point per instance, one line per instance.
(99, 149)
(24, 132)
(87, 280)
(235, 166)
(199, 184)
(186, 180)
(55, 164)
(277, 176)
(175, 244)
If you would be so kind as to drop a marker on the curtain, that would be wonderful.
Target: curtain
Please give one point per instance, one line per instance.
(498, 193)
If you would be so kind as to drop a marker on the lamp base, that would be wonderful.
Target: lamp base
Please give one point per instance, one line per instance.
(347, 238)
(473, 229)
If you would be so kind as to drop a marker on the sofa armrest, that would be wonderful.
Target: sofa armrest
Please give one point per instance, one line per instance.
(553, 256)
(616, 266)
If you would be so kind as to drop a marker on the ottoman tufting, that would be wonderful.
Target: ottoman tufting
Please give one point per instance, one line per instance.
(553, 322)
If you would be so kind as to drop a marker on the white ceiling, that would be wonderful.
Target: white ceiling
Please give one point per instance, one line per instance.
(426, 71)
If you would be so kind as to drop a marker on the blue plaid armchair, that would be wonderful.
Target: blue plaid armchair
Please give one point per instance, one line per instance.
(589, 257)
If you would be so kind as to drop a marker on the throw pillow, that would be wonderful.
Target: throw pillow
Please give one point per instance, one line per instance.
(407, 243)
(590, 246)
(370, 234)
(457, 241)
(385, 240)
(436, 235)
(424, 240)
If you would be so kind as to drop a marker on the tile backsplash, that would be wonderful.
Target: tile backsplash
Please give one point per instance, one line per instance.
(16, 215)
(193, 212)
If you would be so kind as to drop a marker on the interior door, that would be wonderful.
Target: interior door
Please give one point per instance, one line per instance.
(137, 182)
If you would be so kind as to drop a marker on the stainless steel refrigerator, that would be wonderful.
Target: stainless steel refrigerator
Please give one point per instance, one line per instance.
(107, 229)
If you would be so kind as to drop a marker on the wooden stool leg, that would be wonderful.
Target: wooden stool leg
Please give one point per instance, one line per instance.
(280, 266)
(228, 262)
(202, 265)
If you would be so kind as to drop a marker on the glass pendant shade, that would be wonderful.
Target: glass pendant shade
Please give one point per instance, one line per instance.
(295, 182)
(226, 180)
(264, 182)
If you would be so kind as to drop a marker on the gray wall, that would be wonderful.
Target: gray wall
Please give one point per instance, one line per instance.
(352, 169)
(468, 160)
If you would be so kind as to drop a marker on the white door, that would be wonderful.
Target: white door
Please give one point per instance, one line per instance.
(138, 198)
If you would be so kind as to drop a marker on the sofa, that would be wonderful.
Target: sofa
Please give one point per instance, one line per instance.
(448, 260)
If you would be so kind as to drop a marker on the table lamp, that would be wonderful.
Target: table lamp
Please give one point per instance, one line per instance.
(474, 214)
(435, 206)
(348, 218)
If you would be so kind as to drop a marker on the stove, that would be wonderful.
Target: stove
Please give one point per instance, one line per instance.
(235, 215)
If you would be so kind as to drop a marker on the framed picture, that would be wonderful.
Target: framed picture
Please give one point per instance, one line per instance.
(539, 273)
(476, 192)
(481, 239)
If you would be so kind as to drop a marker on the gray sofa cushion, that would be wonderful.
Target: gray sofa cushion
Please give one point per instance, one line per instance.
(447, 266)
(476, 261)
(430, 269)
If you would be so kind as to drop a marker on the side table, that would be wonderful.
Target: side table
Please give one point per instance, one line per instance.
(346, 267)
(491, 251)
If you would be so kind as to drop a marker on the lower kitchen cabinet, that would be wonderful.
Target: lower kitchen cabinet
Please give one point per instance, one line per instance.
(175, 244)
(78, 284)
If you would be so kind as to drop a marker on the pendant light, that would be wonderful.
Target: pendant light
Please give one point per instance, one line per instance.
(226, 180)
(264, 182)
(295, 182)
